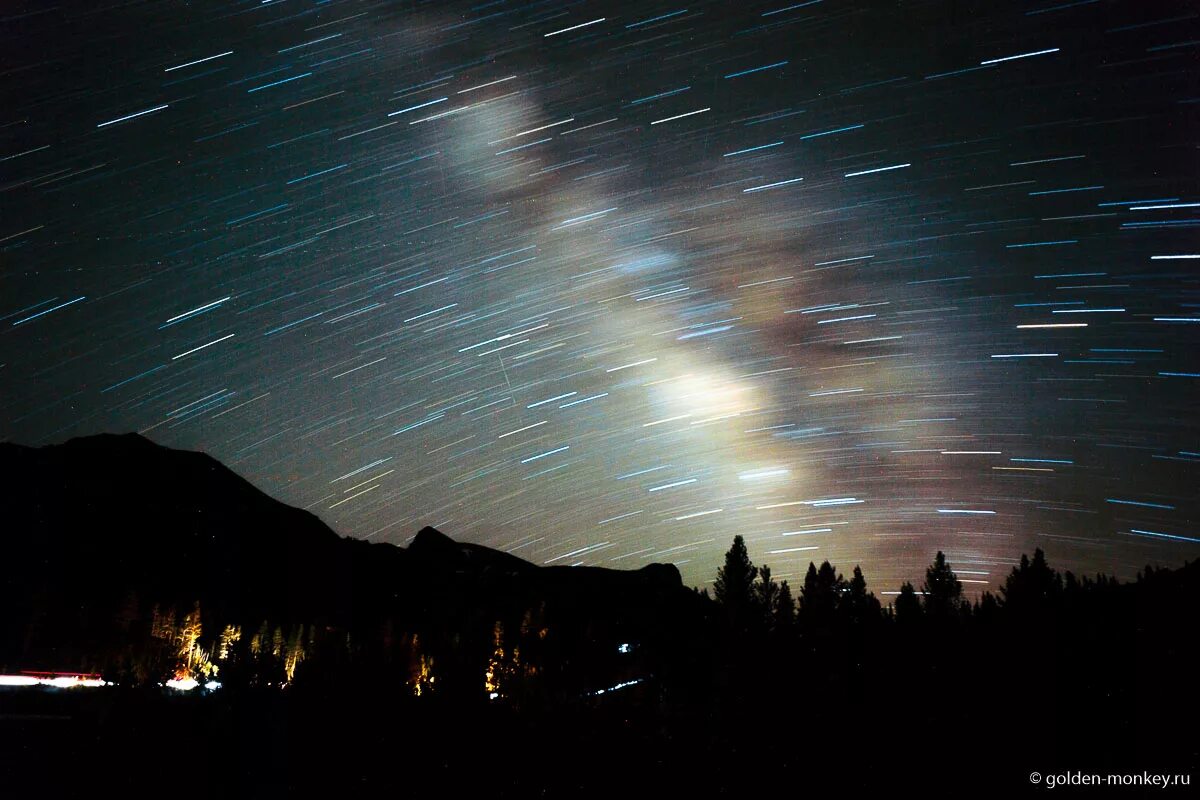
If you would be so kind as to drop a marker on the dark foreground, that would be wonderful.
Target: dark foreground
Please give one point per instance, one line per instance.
(974, 740)
(390, 655)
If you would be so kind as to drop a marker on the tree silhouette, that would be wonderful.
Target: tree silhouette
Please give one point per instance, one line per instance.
(821, 595)
(942, 590)
(785, 610)
(1031, 587)
(859, 606)
(734, 586)
(908, 605)
(766, 596)
(987, 609)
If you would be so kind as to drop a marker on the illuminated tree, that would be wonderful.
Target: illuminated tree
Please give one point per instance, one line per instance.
(491, 676)
(258, 642)
(277, 640)
(190, 631)
(420, 673)
(162, 624)
(425, 679)
(230, 636)
(293, 652)
(190, 660)
(504, 667)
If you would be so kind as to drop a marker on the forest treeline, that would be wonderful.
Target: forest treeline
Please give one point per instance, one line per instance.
(751, 601)
(526, 649)
(346, 661)
(699, 688)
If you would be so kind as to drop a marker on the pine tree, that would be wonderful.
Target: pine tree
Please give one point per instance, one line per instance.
(293, 653)
(808, 590)
(908, 605)
(1031, 587)
(230, 636)
(942, 589)
(860, 606)
(766, 596)
(258, 642)
(821, 595)
(187, 643)
(986, 608)
(734, 587)
(785, 610)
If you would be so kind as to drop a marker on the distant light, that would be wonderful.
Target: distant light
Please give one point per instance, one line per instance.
(618, 686)
(185, 685)
(624, 648)
(18, 680)
(56, 681)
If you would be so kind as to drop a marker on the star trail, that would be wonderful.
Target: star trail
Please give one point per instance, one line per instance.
(607, 283)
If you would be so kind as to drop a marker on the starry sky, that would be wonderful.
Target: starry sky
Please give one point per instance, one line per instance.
(607, 283)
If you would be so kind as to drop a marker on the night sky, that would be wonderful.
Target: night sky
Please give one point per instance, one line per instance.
(605, 284)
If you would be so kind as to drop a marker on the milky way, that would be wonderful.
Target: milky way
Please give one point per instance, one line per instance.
(607, 283)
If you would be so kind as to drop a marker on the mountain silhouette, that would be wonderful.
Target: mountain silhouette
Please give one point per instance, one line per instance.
(454, 664)
(97, 520)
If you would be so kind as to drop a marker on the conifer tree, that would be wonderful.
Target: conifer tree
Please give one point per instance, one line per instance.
(860, 606)
(942, 589)
(734, 587)
(908, 605)
(785, 610)
(766, 595)
(821, 595)
(1033, 586)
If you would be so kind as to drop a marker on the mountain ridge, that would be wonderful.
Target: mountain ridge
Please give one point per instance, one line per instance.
(128, 447)
(98, 523)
